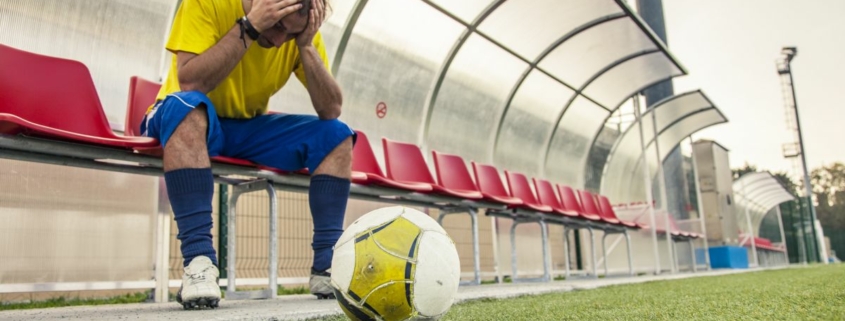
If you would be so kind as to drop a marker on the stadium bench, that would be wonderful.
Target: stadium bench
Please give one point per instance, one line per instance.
(33, 127)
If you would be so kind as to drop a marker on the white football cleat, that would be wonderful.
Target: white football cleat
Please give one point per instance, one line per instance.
(199, 285)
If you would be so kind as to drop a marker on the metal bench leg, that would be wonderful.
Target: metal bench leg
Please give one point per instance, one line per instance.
(546, 261)
(604, 252)
(630, 256)
(476, 252)
(593, 249)
(274, 242)
(692, 250)
(566, 252)
(513, 250)
(231, 246)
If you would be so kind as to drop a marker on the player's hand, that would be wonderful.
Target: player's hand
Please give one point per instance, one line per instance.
(315, 21)
(266, 13)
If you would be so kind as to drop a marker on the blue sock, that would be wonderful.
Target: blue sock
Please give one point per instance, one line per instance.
(190, 191)
(327, 197)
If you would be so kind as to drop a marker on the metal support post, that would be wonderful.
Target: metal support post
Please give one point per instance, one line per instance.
(750, 232)
(700, 211)
(661, 177)
(647, 180)
(782, 234)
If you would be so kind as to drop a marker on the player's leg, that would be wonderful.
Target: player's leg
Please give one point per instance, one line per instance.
(327, 197)
(184, 124)
(293, 142)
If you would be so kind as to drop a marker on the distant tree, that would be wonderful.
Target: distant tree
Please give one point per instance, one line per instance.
(787, 182)
(747, 168)
(829, 189)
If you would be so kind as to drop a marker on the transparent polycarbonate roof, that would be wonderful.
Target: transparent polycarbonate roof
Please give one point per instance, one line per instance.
(524, 84)
(676, 118)
(756, 194)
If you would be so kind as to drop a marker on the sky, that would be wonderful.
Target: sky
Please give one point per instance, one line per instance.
(730, 47)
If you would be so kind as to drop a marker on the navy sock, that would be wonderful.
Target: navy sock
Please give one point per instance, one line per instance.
(190, 191)
(327, 196)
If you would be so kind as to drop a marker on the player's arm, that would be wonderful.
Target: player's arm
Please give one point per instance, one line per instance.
(324, 91)
(205, 71)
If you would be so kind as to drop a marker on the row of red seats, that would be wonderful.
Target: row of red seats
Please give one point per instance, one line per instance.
(761, 243)
(660, 218)
(78, 116)
(73, 112)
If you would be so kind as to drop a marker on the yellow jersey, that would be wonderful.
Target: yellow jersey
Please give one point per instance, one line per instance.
(246, 91)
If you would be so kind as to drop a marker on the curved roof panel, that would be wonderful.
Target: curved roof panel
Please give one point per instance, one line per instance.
(529, 26)
(676, 118)
(756, 194)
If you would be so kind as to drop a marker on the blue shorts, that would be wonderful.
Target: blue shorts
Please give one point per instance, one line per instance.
(286, 142)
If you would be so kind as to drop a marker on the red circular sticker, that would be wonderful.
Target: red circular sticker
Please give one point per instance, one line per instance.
(381, 110)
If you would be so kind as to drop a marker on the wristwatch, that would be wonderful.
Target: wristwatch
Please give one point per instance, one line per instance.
(249, 29)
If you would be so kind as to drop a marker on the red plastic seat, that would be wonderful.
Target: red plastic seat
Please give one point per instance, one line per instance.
(520, 189)
(759, 242)
(546, 195)
(452, 173)
(660, 225)
(570, 202)
(609, 215)
(405, 163)
(54, 98)
(366, 170)
(588, 203)
(142, 95)
(490, 185)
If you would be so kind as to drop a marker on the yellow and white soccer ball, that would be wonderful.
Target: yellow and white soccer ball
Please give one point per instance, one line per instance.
(395, 263)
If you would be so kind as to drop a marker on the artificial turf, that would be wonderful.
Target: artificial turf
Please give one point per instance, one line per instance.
(811, 293)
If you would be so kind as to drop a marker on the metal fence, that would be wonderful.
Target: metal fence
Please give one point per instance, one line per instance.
(799, 231)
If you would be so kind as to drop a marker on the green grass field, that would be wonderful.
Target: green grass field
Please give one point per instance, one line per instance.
(66, 302)
(813, 293)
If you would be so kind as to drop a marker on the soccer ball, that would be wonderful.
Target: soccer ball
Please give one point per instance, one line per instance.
(395, 263)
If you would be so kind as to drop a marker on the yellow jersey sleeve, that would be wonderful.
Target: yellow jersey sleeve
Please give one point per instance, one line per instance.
(299, 71)
(195, 27)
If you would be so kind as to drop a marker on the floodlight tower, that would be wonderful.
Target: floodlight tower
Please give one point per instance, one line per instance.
(794, 149)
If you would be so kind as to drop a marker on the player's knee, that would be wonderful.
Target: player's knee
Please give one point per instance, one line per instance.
(334, 128)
